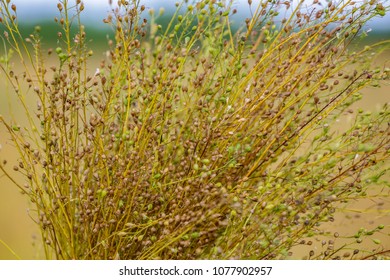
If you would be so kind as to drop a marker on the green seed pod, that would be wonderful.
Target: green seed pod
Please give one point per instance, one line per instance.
(376, 241)
(185, 237)
(62, 56)
(161, 11)
(101, 193)
(195, 235)
(196, 167)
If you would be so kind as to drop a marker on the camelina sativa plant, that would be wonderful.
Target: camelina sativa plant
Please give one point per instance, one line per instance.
(194, 140)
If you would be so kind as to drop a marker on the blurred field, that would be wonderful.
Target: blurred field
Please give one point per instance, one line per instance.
(21, 235)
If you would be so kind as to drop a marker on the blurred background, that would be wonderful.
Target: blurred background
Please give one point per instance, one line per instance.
(36, 10)
(20, 237)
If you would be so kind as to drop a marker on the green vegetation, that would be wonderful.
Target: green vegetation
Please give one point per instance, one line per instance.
(192, 141)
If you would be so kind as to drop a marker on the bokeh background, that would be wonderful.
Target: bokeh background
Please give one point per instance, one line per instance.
(20, 237)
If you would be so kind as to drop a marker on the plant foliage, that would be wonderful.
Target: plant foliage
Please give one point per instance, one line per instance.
(193, 141)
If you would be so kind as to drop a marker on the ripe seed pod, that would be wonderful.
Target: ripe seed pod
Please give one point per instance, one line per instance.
(347, 254)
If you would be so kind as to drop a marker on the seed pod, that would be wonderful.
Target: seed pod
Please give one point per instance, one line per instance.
(376, 241)
(347, 254)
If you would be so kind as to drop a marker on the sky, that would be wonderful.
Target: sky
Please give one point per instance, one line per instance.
(96, 10)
